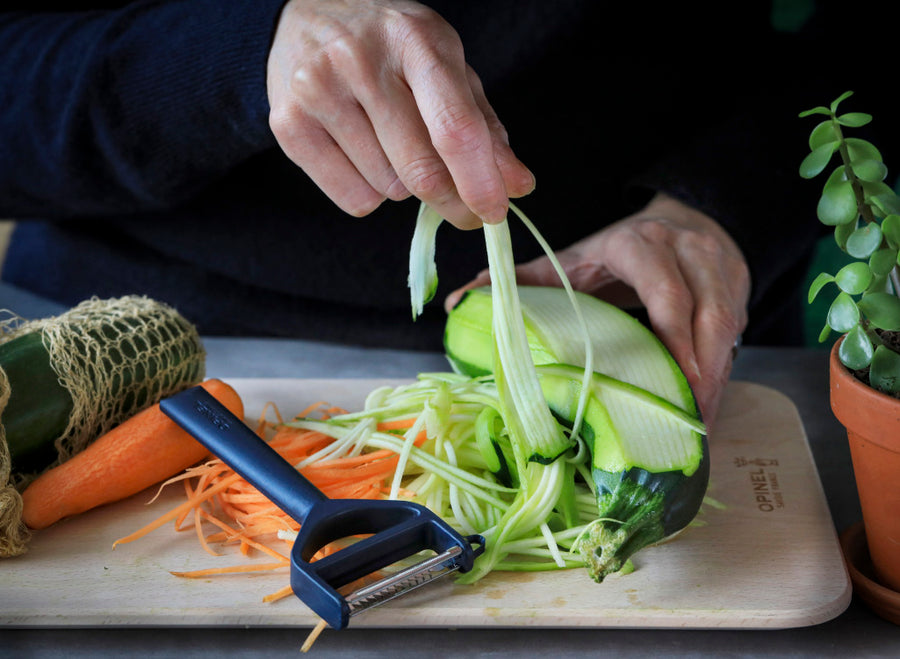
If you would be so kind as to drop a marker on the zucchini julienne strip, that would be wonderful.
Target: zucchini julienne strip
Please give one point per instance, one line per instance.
(423, 279)
(535, 434)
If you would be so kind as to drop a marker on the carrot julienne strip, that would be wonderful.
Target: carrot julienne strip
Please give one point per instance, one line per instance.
(232, 569)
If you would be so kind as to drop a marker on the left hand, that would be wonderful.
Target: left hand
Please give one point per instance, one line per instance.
(682, 266)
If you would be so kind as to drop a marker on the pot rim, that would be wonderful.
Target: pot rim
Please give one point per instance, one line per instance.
(860, 407)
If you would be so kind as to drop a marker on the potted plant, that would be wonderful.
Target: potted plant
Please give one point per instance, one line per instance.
(865, 361)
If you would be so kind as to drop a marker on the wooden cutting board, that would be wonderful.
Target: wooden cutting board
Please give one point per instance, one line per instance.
(764, 556)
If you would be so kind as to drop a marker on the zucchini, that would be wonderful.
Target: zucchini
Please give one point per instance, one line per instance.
(66, 380)
(105, 360)
(39, 407)
(649, 453)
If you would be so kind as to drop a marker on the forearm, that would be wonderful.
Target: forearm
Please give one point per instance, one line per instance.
(131, 109)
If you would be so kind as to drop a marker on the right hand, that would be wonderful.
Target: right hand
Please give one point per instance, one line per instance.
(682, 266)
(374, 101)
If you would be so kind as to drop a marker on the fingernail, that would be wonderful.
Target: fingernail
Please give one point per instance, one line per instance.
(532, 183)
(695, 368)
(495, 216)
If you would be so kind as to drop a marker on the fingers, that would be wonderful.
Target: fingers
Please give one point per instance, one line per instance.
(375, 101)
(644, 254)
(483, 278)
(695, 286)
(720, 292)
(348, 164)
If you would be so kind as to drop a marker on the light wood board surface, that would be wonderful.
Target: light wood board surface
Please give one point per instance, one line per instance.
(766, 556)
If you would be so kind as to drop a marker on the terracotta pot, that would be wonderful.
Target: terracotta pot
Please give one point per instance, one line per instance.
(872, 420)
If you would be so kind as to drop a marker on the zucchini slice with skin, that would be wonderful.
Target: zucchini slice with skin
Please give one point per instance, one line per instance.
(649, 453)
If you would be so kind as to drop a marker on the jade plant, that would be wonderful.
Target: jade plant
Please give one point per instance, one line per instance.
(865, 213)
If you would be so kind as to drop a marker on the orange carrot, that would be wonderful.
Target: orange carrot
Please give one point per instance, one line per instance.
(139, 452)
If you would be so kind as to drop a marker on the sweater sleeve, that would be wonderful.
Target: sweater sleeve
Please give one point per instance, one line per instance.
(132, 108)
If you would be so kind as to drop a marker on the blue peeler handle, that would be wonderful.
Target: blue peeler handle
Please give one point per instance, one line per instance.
(232, 441)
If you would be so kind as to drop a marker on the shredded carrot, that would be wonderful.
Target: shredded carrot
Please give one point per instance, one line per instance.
(281, 593)
(234, 569)
(178, 511)
(398, 424)
(215, 495)
(313, 635)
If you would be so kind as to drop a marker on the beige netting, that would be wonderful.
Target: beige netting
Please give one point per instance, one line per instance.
(114, 357)
(13, 534)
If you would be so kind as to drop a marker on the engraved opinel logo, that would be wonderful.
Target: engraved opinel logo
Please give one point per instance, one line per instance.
(764, 482)
(212, 416)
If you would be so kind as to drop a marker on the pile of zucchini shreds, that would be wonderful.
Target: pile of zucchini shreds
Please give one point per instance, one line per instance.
(530, 524)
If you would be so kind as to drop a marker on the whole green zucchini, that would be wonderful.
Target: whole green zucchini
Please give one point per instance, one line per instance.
(66, 380)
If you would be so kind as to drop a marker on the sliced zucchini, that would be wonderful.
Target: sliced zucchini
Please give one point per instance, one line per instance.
(623, 348)
(649, 454)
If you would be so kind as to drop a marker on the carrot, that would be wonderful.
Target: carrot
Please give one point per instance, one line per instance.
(139, 452)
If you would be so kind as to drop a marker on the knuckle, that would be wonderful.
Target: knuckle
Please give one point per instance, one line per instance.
(427, 178)
(395, 190)
(722, 316)
(657, 230)
(349, 54)
(706, 245)
(673, 293)
(311, 81)
(424, 30)
(457, 129)
(281, 120)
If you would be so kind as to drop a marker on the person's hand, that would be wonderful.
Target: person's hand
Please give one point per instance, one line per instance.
(374, 100)
(682, 267)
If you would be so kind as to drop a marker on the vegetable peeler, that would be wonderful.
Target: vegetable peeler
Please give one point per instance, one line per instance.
(399, 529)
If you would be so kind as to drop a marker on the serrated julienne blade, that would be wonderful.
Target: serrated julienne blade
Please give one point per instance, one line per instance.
(403, 581)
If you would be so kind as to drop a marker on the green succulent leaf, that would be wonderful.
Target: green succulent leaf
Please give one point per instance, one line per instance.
(817, 110)
(854, 119)
(863, 242)
(824, 133)
(886, 201)
(860, 149)
(890, 227)
(883, 261)
(824, 334)
(837, 205)
(882, 310)
(840, 99)
(843, 314)
(822, 280)
(876, 189)
(817, 160)
(854, 278)
(842, 233)
(856, 349)
(879, 284)
(870, 170)
(884, 372)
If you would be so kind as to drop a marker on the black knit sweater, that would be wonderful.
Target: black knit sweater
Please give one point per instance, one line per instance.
(135, 153)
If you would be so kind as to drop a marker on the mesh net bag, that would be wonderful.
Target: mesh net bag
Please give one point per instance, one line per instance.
(114, 357)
